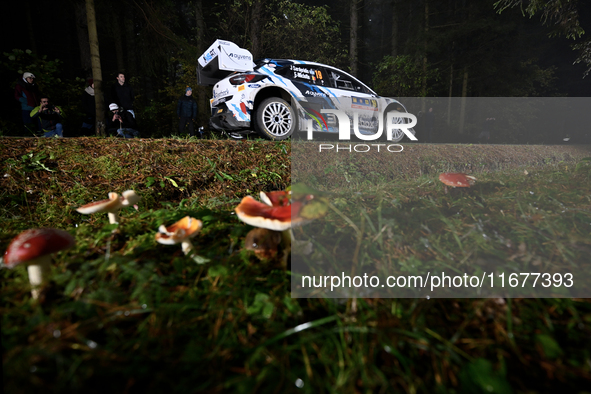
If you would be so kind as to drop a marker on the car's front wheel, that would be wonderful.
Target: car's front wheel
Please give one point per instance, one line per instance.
(275, 119)
(397, 134)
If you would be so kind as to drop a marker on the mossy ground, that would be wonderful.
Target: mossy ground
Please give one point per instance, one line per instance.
(125, 314)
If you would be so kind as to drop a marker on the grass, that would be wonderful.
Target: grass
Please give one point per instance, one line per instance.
(126, 314)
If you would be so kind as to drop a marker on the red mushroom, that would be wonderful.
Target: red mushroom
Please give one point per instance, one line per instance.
(280, 212)
(257, 214)
(456, 179)
(277, 198)
(34, 248)
(180, 232)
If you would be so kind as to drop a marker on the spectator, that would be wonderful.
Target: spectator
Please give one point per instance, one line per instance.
(50, 117)
(186, 110)
(89, 106)
(122, 94)
(27, 94)
(123, 122)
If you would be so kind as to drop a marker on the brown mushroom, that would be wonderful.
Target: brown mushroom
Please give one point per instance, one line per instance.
(111, 206)
(263, 242)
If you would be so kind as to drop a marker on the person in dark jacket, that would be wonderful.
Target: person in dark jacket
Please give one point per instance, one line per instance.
(122, 122)
(186, 110)
(50, 116)
(89, 106)
(27, 94)
(122, 94)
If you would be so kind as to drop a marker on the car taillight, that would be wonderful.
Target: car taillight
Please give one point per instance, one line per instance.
(245, 78)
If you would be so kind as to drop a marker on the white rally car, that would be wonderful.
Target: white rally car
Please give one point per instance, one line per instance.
(275, 98)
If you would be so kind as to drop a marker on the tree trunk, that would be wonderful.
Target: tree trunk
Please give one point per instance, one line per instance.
(394, 40)
(82, 33)
(353, 38)
(96, 68)
(464, 95)
(115, 21)
(202, 103)
(255, 30)
(131, 68)
(451, 81)
(30, 29)
(425, 46)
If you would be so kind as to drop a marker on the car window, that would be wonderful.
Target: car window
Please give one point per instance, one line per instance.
(343, 81)
(314, 75)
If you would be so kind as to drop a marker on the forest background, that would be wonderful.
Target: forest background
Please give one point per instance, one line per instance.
(400, 48)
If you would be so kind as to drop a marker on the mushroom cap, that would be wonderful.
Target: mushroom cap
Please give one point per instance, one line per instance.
(113, 204)
(129, 197)
(34, 243)
(182, 230)
(457, 179)
(277, 198)
(257, 214)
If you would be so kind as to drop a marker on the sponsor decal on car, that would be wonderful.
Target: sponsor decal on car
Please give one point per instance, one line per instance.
(309, 93)
(254, 85)
(221, 94)
(209, 56)
(241, 88)
(239, 57)
(363, 103)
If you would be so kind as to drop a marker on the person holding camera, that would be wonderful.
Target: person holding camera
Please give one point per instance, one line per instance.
(50, 117)
(123, 122)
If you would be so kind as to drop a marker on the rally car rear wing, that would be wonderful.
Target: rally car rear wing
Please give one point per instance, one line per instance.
(230, 58)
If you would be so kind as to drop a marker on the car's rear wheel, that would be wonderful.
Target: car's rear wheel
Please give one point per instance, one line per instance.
(275, 119)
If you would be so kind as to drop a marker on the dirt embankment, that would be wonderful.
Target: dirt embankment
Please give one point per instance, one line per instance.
(171, 169)
(415, 160)
(230, 169)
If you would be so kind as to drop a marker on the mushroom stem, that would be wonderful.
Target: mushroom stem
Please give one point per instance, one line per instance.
(187, 246)
(38, 271)
(113, 217)
(286, 237)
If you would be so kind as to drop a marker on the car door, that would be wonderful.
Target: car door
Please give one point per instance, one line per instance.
(353, 97)
(310, 87)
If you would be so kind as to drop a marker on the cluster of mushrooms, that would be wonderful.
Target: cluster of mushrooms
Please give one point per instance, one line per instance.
(273, 219)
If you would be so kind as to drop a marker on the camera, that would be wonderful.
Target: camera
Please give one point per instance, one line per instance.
(49, 108)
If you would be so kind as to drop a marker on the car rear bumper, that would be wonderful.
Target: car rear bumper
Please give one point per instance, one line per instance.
(225, 120)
